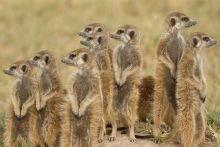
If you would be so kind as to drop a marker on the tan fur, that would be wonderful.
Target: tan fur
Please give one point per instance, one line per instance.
(126, 64)
(169, 50)
(101, 52)
(79, 128)
(50, 100)
(145, 103)
(21, 116)
(191, 86)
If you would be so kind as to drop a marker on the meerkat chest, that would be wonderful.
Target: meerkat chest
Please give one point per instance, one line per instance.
(103, 61)
(82, 85)
(45, 82)
(198, 66)
(175, 48)
(23, 90)
(125, 57)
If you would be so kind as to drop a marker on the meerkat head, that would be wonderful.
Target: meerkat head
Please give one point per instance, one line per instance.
(177, 21)
(92, 28)
(19, 69)
(96, 41)
(81, 57)
(43, 59)
(126, 34)
(200, 40)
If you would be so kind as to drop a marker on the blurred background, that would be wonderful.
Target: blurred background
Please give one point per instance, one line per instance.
(28, 26)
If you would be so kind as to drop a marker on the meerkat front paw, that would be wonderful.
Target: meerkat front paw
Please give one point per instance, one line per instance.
(132, 139)
(173, 73)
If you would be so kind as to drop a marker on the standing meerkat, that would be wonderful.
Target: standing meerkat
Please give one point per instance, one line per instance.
(147, 83)
(98, 44)
(191, 92)
(79, 128)
(21, 117)
(169, 51)
(50, 100)
(126, 61)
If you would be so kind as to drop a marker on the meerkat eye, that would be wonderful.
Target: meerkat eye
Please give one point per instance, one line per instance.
(172, 21)
(206, 39)
(46, 59)
(120, 31)
(88, 29)
(99, 40)
(71, 56)
(99, 30)
(185, 19)
(89, 38)
(36, 58)
(12, 67)
(23, 68)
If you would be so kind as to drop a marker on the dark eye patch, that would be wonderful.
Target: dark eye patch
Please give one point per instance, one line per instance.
(120, 31)
(13, 67)
(185, 19)
(206, 39)
(36, 58)
(89, 38)
(99, 30)
(71, 56)
(88, 29)
(172, 21)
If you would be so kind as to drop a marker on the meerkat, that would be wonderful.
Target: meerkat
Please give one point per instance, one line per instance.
(169, 50)
(50, 100)
(98, 44)
(145, 103)
(191, 91)
(21, 117)
(126, 61)
(79, 128)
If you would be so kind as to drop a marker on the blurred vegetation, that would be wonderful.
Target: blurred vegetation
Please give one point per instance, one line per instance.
(27, 26)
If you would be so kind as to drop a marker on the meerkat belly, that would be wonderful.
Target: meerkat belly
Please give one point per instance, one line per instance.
(21, 125)
(41, 117)
(45, 83)
(175, 48)
(121, 97)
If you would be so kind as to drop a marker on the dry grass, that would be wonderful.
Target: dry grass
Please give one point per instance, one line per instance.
(27, 26)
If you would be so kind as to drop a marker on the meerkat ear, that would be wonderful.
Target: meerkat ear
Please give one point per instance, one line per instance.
(24, 68)
(131, 34)
(46, 59)
(172, 21)
(99, 40)
(195, 41)
(85, 57)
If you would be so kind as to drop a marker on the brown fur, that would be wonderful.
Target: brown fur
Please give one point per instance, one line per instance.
(49, 103)
(126, 64)
(191, 86)
(21, 126)
(145, 103)
(101, 52)
(79, 128)
(169, 50)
